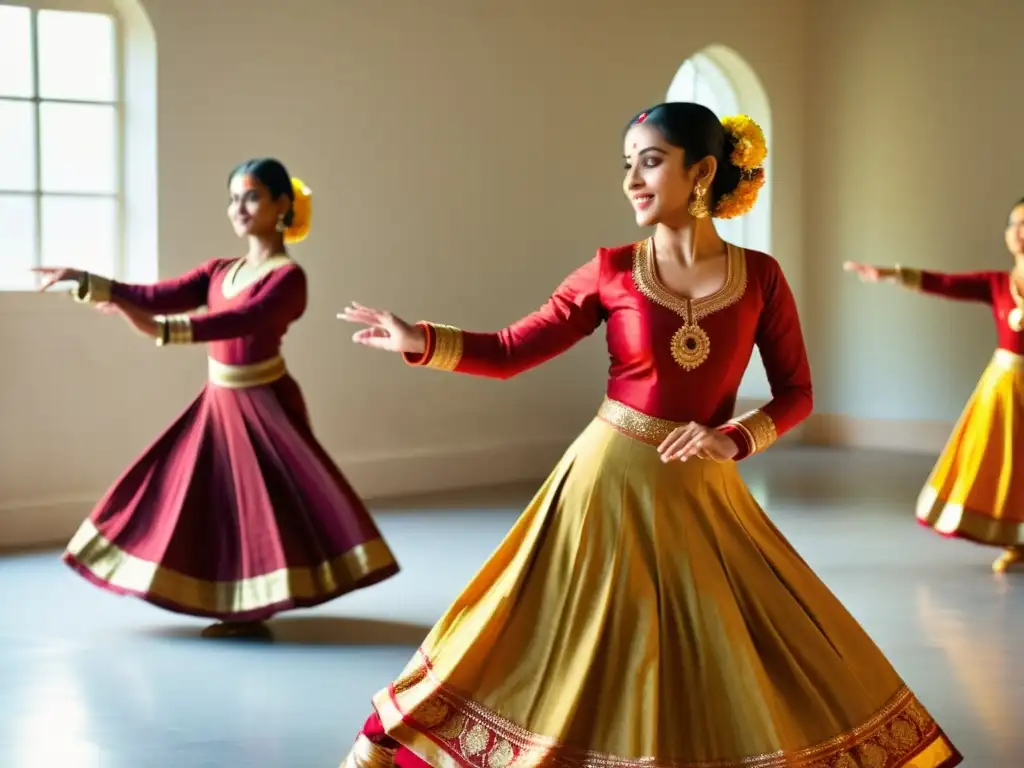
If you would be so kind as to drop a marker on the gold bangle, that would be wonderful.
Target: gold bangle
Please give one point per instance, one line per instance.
(173, 329)
(908, 277)
(92, 289)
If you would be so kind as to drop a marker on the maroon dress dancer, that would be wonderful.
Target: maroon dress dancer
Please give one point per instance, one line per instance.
(235, 512)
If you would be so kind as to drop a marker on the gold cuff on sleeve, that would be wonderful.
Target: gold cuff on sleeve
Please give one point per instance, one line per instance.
(447, 350)
(757, 429)
(173, 329)
(908, 277)
(93, 289)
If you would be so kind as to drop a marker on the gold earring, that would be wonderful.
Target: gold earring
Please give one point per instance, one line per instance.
(699, 206)
(280, 223)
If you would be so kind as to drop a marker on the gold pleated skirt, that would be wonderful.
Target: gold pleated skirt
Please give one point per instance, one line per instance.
(976, 490)
(649, 614)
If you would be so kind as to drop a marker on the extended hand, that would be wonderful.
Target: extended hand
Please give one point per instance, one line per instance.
(697, 440)
(868, 273)
(385, 330)
(53, 275)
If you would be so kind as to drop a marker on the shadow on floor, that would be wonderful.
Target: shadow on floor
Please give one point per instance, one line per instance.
(318, 630)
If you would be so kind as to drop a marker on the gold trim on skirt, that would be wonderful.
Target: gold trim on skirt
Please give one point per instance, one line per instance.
(976, 489)
(113, 565)
(643, 614)
(246, 376)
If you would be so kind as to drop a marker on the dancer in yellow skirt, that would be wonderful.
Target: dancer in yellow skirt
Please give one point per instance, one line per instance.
(976, 490)
(644, 611)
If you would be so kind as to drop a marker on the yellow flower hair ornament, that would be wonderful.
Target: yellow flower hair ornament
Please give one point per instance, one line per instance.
(302, 213)
(741, 199)
(749, 152)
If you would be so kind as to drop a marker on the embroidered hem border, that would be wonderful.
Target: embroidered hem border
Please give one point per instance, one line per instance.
(108, 566)
(447, 731)
(960, 522)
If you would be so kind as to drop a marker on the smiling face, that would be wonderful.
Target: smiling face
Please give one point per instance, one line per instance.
(1015, 232)
(657, 184)
(251, 209)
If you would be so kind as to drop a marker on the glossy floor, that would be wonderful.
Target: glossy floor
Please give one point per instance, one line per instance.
(89, 680)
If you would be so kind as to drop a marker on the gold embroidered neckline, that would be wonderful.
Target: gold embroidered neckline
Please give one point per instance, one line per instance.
(230, 286)
(645, 277)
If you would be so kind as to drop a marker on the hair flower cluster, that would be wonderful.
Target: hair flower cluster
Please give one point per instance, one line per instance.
(302, 213)
(748, 154)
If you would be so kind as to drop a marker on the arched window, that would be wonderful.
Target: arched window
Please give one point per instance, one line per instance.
(719, 79)
(704, 80)
(64, 160)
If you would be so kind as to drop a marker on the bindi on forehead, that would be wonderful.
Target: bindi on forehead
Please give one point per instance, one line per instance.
(248, 182)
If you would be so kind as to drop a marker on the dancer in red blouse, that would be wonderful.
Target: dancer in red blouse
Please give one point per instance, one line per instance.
(976, 490)
(644, 611)
(235, 512)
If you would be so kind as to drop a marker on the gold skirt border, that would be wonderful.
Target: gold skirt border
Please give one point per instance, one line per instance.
(107, 565)
(447, 731)
(959, 522)
(980, 498)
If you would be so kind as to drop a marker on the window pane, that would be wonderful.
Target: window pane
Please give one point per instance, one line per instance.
(17, 145)
(18, 254)
(15, 52)
(681, 88)
(79, 147)
(76, 56)
(705, 93)
(732, 231)
(80, 232)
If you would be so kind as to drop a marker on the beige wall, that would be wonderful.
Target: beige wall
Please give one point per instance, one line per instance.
(464, 157)
(914, 111)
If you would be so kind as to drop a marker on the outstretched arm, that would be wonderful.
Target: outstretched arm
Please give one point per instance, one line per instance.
(962, 286)
(179, 294)
(781, 343)
(279, 301)
(571, 313)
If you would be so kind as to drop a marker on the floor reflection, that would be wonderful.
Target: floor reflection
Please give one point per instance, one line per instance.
(87, 679)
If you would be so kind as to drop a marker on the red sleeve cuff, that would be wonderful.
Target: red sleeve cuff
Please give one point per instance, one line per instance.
(422, 359)
(738, 438)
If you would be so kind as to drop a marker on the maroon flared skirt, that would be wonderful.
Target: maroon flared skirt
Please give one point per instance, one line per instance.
(235, 512)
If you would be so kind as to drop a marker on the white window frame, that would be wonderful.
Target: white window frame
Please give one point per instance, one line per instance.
(106, 8)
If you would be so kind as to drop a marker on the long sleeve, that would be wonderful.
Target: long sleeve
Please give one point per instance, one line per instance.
(963, 286)
(275, 304)
(179, 294)
(781, 343)
(572, 312)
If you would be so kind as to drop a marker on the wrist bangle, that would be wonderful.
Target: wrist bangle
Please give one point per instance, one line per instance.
(162, 331)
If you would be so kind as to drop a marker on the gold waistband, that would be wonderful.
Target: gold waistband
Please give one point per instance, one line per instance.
(244, 376)
(1007, 360)
(634, 423)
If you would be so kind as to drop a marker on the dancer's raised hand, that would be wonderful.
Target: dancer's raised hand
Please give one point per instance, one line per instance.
(53, 275)
(384, 330)
(868, 273)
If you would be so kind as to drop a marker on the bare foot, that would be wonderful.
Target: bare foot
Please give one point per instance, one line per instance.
(1011, 556)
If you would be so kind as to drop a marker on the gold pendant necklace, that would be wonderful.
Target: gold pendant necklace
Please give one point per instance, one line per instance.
(690, 344)
(1016, 317)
